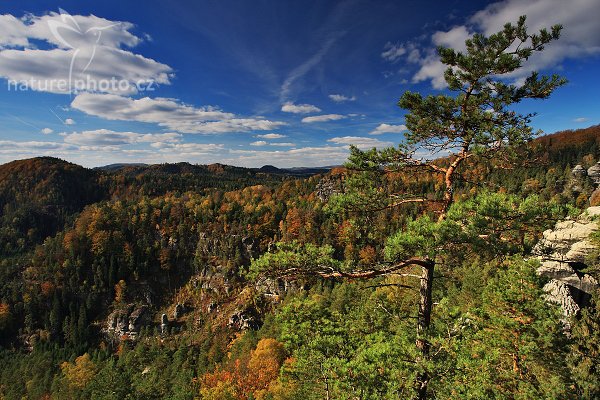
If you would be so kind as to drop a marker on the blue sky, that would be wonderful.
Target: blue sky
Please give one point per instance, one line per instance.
(249, 83)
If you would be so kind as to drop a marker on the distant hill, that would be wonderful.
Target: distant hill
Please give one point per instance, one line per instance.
(118, 166)
(571, 138)
(295, 171)
(38, 195)
(157, 179)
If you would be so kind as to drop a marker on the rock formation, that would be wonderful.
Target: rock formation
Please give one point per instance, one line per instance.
(178, 311)
(244, 319)
(164, 323)
(578, 179)
(562, 252)
(327, 187)
(594, 173)
(126, 321)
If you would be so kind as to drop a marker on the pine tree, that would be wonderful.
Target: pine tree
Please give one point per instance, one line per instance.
(474, 124)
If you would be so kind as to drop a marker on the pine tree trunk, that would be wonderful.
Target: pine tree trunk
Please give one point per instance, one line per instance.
(423, 320)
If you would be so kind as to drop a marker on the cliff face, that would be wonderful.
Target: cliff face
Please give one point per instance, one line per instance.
(563, 252)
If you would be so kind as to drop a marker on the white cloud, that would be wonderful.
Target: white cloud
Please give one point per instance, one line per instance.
(84, 52)
(13, 32)
(387, 128)
(168, 113)
(32, 147)
(271, 136)
(277, 144)
(259, 143)
(69, 121)
(323, 118)
(304, 156)
(46, 131)
(290, 107)
(581, 119)
(102, 137)
(360, 142)
(282, 144)
(188, 149)
(393, 51)
(339, 98)
(580, 36)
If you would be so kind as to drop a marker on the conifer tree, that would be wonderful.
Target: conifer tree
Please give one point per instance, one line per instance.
(473, 122)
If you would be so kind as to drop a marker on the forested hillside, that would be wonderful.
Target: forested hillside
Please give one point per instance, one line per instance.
(67, 304)
(472, 274)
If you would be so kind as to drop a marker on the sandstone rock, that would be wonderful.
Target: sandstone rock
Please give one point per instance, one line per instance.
(562, 252)
(127, 321)
(594, 173)
(243, 320)
(276, 287)
(579, 251)
(578, 171)
(559, 293)
(178, 312)
(593, 211)
(164, 323)
(327, 187)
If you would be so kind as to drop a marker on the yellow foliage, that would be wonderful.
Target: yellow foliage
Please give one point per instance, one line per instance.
(80, 373)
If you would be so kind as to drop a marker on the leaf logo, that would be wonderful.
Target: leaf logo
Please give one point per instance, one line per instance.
(69, 23)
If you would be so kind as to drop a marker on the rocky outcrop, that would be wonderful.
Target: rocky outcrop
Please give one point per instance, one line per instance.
(178, 311)
(276, 287)
(562, 252)
(594, 173)
(164, 323)
(578, 179)
(327, 187)
(244, 320)
(127, 322)
(578, 171)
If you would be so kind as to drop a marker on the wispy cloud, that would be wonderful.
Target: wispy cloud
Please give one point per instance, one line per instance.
(387, 128)
(323, 118)
(360, 142)
(277, 144)
(306, 66)
(271, 136)
(580, 38)
(393, 51)
(168, 113)
(340, 98)
(290, 107)
(101, 137)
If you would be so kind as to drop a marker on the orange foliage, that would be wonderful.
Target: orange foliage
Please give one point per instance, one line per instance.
(253, 377)
(47, 288)
(367, 255)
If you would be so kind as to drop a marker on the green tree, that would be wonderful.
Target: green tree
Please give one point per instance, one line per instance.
(584, 358)
(475, 123)
(511, 346)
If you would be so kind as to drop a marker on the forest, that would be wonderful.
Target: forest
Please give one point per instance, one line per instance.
(391, 277)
